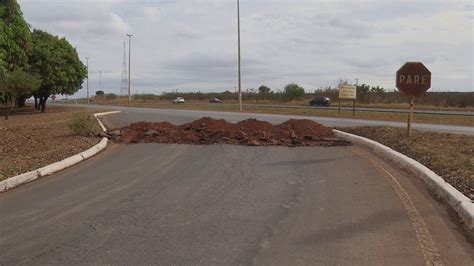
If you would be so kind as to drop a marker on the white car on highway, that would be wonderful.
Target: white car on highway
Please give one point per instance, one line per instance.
(179, 100)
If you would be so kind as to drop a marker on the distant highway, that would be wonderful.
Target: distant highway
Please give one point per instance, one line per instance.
(185, 116)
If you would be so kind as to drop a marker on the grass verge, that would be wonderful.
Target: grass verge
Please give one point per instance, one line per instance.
(451, 156)
(30, 140)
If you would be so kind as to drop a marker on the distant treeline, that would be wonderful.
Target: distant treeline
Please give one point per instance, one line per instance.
(365, 94)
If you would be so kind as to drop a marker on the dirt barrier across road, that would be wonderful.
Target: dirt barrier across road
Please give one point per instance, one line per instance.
(250, 132)
(461, 204)
(18, 180)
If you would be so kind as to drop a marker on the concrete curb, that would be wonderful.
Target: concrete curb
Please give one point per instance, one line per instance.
(102, 114)
(18, 180)
(463, 206)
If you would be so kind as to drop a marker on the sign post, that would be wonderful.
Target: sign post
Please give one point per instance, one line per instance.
(413, 80)
(348, 92)
(353, 107)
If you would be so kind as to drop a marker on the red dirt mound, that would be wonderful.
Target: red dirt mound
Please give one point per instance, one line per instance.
(248, 132)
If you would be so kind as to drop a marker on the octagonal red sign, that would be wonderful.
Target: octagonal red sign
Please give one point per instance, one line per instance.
(413, 79)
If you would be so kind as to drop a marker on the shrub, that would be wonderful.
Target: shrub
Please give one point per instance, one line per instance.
(145, 97)
(293, 91)
(264, 89)
(110, 96)
(84, 125)
(99, 93)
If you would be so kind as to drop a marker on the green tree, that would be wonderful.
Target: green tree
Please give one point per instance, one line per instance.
(99, 93)
(293, 91)
(58, 65)
(14, 85)
(264, 89)
(15, 36)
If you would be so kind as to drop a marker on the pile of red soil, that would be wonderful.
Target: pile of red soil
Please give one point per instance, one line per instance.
(249, 132)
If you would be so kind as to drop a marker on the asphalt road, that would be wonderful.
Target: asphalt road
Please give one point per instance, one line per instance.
(227, 205)
(185, 116)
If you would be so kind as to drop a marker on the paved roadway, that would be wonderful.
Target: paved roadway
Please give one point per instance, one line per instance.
(227, 205)
(184, 116)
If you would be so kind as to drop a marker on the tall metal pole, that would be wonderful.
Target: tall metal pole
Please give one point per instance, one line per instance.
(87, 64)
(100, 80)
(238, 34)
(129, 65)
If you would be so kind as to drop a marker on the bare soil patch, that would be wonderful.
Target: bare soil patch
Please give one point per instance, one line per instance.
(249, 132)
(30, 140)
(451, 156)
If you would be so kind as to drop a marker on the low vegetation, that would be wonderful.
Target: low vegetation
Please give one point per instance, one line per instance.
(373, 95)
(84, 124)
(26, 146)
(449, 155)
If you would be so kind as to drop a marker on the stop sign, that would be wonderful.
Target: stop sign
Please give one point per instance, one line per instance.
(413, 79)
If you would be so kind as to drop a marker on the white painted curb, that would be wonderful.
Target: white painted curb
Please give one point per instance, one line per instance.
(463, 206)
(102, 114)
(58, 166)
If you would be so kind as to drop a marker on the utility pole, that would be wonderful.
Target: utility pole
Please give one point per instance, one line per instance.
(129, 65)
(87, 63)
(238, 37)
(100, 80)
(124, 82)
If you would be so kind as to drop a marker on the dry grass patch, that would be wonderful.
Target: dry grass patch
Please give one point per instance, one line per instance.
(449, 155)
(30, 140)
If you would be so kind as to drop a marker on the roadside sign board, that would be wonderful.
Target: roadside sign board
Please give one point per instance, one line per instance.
(413, 79)
(347, 92)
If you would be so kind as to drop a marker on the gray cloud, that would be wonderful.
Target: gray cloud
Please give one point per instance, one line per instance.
(191, 44)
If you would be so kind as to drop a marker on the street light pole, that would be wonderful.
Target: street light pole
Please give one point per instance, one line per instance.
(129, 65)
(239, 67)
(87, 63)
(100, 80)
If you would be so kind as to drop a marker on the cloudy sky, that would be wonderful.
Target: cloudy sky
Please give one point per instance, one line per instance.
(191, 45)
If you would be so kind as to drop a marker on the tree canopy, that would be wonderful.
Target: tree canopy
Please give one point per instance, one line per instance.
(15, 36)
(264, 89)
(15, 84)
(293, 91)
(58, 65)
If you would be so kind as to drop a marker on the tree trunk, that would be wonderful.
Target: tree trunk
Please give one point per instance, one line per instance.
(8, 109)
(36, 102)
(43, 103)
(6, 112)
(21, 101)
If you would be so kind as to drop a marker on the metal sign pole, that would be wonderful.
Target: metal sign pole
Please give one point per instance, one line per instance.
(239, 56)
(353, 107)
(410, 117)
(339, 105)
